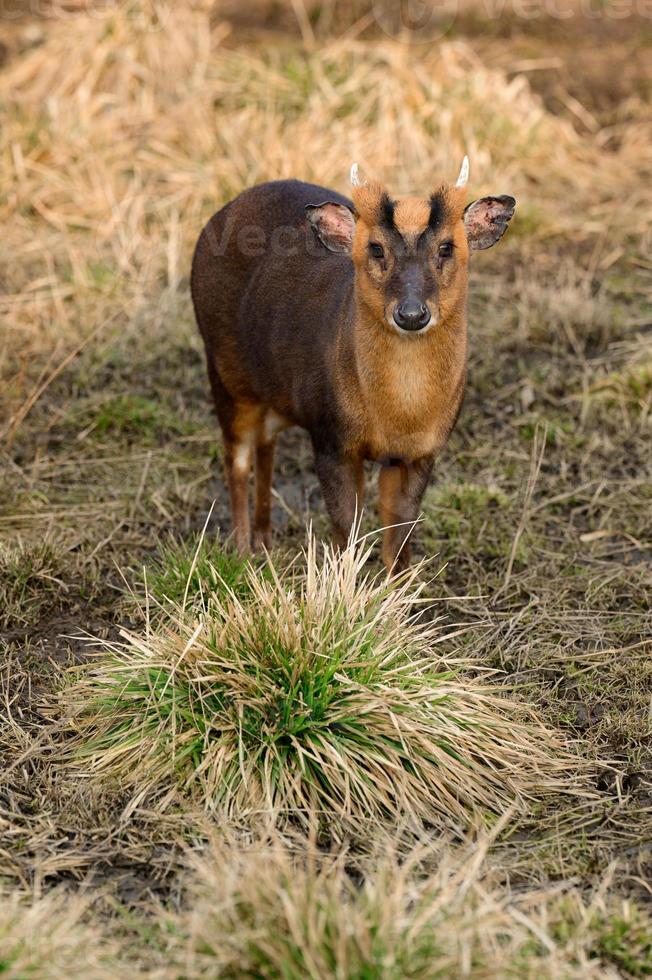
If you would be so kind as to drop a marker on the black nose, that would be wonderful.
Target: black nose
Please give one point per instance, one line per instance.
(412, 315)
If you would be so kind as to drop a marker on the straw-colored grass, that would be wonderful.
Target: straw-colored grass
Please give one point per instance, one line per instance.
(283, 909)
(51, 937)
(317, 693)
(29, 573)
(267, 912)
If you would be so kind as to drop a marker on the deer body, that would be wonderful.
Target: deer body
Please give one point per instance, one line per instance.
(298, 327)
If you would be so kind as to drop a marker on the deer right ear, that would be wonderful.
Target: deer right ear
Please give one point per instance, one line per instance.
(334, 225)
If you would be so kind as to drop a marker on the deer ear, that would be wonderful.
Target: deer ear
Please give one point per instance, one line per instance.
(334, 225)
(486, 220)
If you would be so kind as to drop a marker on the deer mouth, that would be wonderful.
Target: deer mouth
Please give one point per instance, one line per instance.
(413, 320)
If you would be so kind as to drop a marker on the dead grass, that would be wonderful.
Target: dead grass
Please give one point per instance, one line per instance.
(30, 576)
(111, 162)
(273, 907)
(309, 696)
(439, 912)
(51, 936)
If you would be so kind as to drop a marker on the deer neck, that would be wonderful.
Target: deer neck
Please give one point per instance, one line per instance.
(409, 387)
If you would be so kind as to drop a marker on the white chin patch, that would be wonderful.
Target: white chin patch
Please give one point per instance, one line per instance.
(415, 334)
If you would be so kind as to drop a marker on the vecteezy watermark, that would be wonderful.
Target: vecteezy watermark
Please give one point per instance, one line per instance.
(254, 241)
(565, 9)
(425, 21)
(415, 20)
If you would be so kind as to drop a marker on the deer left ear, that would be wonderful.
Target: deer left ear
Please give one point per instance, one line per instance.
(486, 220)
(334, 225)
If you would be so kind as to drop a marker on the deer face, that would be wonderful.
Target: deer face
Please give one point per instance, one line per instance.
(411, 254)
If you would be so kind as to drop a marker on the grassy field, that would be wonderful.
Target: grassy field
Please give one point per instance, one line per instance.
(293, 769)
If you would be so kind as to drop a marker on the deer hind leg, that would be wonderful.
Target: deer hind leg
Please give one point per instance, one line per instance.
(239, 444)
(271, 424)
(401, 487)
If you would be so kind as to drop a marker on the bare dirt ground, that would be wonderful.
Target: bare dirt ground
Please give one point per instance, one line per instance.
(539, 519)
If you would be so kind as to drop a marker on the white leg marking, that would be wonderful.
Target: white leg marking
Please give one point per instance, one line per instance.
(242, 457)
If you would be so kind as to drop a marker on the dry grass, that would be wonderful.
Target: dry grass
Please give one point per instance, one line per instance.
(111, 162)
(264, 911)
(273, 908)
(311, 695)
(52, 937)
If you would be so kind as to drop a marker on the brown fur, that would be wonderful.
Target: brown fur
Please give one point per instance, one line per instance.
(307, 338)
(410, 387)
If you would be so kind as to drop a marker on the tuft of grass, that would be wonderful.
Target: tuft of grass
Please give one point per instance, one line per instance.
(194, 569)
(49, 937)
(625, 940)
(317, 693)
(631, 388)
(30, 577)
(271, 912)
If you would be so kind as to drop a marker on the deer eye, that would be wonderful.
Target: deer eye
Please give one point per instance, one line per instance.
(446, 250)
(376, 250)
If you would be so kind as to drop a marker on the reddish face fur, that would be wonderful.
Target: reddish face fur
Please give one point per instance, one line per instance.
(357, 333)
(424, 252)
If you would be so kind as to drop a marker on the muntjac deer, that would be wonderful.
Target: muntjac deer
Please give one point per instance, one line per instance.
(347, 318)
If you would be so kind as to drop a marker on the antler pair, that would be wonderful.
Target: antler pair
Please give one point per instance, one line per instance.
(462, 180)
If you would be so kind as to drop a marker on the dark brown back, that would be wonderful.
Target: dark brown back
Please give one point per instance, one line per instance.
(270, 299)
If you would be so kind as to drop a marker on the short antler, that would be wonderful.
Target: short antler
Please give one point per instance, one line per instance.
(356, 180)
(463, 178)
